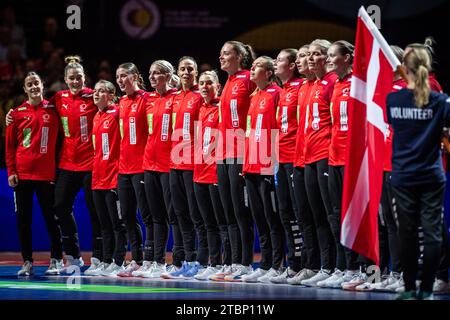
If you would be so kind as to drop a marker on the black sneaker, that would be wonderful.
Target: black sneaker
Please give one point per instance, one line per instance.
(407, 295)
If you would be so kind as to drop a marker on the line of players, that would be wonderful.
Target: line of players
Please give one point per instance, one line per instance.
(202, 159)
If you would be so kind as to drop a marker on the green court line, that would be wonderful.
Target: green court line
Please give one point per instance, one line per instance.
(95, 288)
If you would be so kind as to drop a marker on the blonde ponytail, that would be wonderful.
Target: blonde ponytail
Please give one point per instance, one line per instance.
(422, 87)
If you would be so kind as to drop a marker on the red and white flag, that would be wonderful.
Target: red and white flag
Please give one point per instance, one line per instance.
(373, 71)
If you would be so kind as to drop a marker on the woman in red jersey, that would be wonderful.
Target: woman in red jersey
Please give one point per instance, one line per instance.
(287, 73)
(157, 167)
(134, 132)
(76, 110)
(317, 141)
(258, 168)
(30, 160)
(205, 177)
(310, 250)
(340, 60)
(186, 106)
(235, 59)
(106, 140)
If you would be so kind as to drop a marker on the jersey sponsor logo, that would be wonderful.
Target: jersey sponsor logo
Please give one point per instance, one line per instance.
(294, 84)
(316, 95)
(343, 115)
(186, 126)
(150, 123)
(65, 95)
(234, 113)
(206, 140)
(22, 108)
(26, 142)
(111, 111)
(106, 124)
(65, 124)
(316, 116)
(168, 104)
(288, 97)
(190, 103)
(259, 121)
(345, 92)
(44, 140)
(105, 146)
(133, 107)
(324, 82)
(87, 95)
(241, 76)
(211, 117)
(46, 117)
(65, 106)
(132, 130)
(270, 90)
(165, 127)
(84, 129)
(284, 120)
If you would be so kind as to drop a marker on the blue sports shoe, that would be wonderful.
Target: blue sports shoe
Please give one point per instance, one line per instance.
(178, 274)
(194, 268)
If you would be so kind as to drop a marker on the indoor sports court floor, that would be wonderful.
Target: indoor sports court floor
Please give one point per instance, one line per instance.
(40, 287)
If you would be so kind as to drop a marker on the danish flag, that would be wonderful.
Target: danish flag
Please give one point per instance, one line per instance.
(373, 71)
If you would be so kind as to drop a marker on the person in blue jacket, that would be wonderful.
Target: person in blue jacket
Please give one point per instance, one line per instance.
(418, 116)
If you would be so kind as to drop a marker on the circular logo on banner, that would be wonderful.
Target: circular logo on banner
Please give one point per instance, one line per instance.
(140, 19)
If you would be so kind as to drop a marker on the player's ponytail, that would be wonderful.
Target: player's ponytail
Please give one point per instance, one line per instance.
(417, 60)
(73, 62)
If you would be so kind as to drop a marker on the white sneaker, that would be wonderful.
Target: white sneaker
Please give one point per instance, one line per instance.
(128, 272)
(337, 274)
(26, 270)
(71, 265)
(55, 267)
(154, 271)
(303, 274)
(441, 287)
(397, 286)
(253, 276)
(112, 270)
(272, 273)
(95, 263)
(386, 281)
(206, 273)
(224, 271)
(169, 269)
(321, 275)
(239, 271)
(102, 267)
(146, 265)
(357, 279)
(283, 278)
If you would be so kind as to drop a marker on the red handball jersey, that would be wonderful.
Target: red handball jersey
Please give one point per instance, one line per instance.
(205, 169)
(261, 121)
(303, 99)
(133, 131)
(106, 140)
(77, 113)
(339, 120)
(185, 112)
(159, 119)
(31, 141)
(287, 119)
(234, 104)
(434, 84)
(318, 130)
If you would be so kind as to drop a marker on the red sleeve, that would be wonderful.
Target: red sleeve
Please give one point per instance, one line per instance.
(11, 146)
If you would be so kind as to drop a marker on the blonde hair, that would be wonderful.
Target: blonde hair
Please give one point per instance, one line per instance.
(110, 88)
(73, 62)
(418, 61)
(212, 74)
(323, 44)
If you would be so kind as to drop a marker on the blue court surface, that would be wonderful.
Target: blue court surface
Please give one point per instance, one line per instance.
(40, 287)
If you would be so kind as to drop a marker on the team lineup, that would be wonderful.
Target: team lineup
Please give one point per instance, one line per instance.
(208, 163)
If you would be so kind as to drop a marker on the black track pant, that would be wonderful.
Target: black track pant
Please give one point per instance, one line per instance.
(207, 195)
(131, 196)
(287, 208)
(345, 258)
(238, 215)
(23, 196)
(270, 229)
(157, 188)
(420, 205)
(188, 215)
(316, 180)
(391, 222)
(114, 232)
(68, 184)
(310, 251)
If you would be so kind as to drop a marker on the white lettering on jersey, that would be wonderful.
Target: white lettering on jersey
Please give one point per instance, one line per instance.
(105, 146)
(284, 119)
(186, 126)
(206, 140)
(234, 113)
(44, 139)
(165, 127)
(84, 129)
(132, 130)
(343, 114)
(316, 116)
(259, 120)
